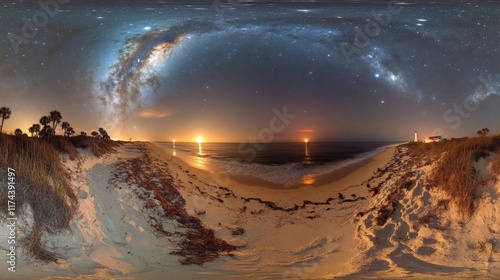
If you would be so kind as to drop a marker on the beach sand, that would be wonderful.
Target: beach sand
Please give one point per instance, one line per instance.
(318, 232)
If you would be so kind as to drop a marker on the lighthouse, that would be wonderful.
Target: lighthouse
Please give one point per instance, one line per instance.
(416, 137)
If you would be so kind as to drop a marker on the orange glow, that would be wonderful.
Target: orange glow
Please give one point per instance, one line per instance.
(200, 151)
(308, 180)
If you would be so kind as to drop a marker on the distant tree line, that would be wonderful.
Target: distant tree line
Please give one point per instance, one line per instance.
(47, 126)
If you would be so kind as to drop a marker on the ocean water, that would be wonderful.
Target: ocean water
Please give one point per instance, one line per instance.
(286, 164)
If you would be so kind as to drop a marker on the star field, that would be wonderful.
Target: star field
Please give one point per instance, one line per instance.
(171, 71)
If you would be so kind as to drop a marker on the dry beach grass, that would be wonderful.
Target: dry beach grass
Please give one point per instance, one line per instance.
(42, 183)
(143, 210)
(454, 170)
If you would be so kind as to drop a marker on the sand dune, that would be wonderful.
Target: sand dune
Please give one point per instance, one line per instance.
(139, 205)
(425, 235)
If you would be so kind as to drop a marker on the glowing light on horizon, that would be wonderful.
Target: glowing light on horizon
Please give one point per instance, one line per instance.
(173, 142)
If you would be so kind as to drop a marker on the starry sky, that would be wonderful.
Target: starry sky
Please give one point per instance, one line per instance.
(350, 71)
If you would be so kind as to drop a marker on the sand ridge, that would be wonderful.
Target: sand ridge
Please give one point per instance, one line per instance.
(381, 220)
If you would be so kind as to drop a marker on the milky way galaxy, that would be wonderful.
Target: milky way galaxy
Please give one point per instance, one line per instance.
(154, 71)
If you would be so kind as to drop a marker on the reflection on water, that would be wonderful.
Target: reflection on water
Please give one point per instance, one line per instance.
(200, 161)
(287, 164)
(307, 156)
(308, 179)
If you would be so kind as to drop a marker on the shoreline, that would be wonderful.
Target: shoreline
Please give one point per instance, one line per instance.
(140, 206)
(338, 174)
(275, 231)
(323, 224)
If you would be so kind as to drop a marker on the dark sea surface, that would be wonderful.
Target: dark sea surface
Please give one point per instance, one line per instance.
(281, 163)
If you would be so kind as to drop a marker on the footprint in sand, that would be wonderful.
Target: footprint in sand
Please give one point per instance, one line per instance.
(383, 234)
(425, 199)
(402, 230)
(429, 241)
(425, 251)
(416, 192)
(369, 221)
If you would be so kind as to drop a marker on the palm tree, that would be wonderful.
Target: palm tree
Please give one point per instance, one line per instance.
(483, 132)
(94, 134)
(31, 130)
(83, 133)
(4, 114)
(36, 128)
(70, 131)
(46, 131)
(104, 134)
(18, 132)
(44, 121)
(55, 117)
(65, 126)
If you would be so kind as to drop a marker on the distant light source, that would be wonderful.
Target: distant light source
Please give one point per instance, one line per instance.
(306, 140)
(173, 142)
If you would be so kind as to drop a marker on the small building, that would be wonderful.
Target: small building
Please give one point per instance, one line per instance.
(433, 139)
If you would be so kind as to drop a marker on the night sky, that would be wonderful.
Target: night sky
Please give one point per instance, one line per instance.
(350, 71)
